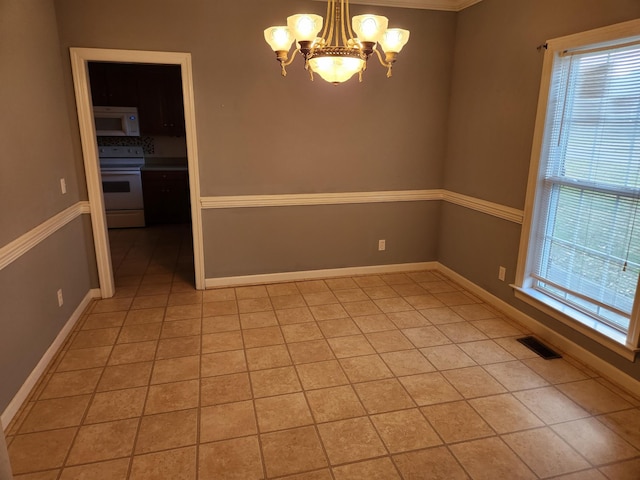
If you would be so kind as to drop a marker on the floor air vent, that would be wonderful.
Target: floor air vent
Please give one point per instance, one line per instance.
(540, 348)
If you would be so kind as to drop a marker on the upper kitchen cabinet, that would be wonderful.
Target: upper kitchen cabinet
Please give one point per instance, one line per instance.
(161, 109)
(155, 89)
(113, 84)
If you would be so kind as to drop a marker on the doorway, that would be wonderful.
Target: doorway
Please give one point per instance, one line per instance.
(80, 58)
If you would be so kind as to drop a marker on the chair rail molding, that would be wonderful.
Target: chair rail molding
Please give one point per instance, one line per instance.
(21, 245)
(301, 199)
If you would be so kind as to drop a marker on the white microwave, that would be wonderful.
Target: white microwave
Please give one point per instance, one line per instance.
(116, 121)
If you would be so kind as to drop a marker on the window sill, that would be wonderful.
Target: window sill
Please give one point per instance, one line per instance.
(599, 332)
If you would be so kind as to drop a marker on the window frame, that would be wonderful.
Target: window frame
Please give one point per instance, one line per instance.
(627, 346)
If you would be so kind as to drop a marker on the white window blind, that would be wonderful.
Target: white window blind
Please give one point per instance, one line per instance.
(587, 227)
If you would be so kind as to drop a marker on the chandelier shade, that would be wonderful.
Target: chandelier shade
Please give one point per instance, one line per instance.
(369, 28)
(337, 53)
(279, 38)
(394, 39)
(338, 68)
(305, 27)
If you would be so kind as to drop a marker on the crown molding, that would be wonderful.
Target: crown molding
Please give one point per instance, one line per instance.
(446, 5)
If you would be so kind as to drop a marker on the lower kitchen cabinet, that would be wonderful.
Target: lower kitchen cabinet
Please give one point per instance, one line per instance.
(166, 196)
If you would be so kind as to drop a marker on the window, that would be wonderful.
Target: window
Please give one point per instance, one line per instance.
(582, 251)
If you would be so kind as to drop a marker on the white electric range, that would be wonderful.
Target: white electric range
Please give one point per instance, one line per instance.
(122, 185)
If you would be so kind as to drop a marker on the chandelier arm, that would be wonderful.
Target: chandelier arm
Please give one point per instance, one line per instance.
(327, 34)
(343, 21)
(293, 57)
(382, 62)
(283, 57)
(347, 14)
(327, 22)
(387, 65)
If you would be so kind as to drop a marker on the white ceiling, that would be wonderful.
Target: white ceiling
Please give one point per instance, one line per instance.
(449, 5)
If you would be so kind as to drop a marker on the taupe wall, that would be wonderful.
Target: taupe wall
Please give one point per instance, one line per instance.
(36, 131)
(30, 318)
(285, 239)
(259, 133)
(494, 97)
(495, 85)
(36, 152)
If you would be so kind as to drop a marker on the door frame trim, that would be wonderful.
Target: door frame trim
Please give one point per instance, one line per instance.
(79, 60)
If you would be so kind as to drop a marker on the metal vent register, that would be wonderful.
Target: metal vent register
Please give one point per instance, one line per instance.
(538, 347)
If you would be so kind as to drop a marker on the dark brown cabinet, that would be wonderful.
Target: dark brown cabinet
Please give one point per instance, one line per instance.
(166, 196)
(160, 106)
(155, 89)
(113, 84)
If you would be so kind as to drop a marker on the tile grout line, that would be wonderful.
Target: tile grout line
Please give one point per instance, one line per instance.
(306, 399)
(77, 329)
(148, 385)
(199, 410)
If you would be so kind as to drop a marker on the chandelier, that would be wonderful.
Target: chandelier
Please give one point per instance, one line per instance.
(337, 54)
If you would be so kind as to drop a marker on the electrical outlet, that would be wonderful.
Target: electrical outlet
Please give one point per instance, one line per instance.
(502, 273)
(60, 298)
(63, 186)
(382, 245)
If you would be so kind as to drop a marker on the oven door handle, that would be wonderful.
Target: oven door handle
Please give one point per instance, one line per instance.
(124, 171)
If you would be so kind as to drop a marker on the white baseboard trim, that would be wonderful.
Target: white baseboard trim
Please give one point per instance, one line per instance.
(42, 365)
(21, 245)
(547, 334)
(314, 274)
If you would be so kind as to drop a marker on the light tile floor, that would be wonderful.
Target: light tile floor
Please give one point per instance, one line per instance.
(399, 376)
